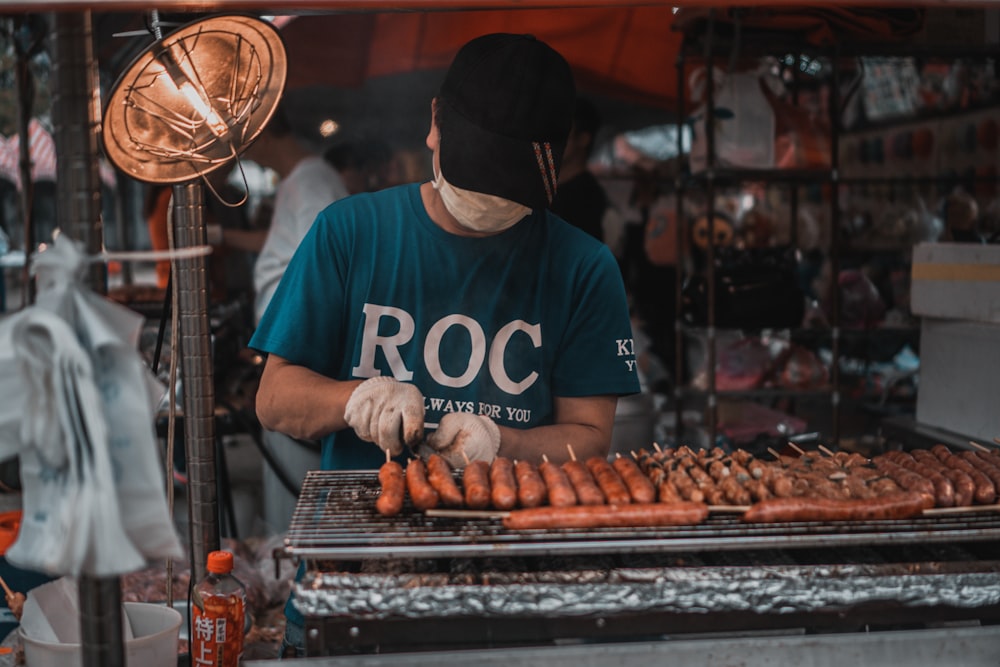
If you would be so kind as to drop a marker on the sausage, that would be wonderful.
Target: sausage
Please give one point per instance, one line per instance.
(390, 498)
(476, 480)
(778, 483)
(531, 491)
(758, 490)
(944, 493)
(904, 477)
(440, 477)
(503, 485)
(560, 489)
(985, 492)
(666, 492)
(734, 492)
(587, 490)
(984, 467)
(965, 488)
(685, 485)
(651, 465)
(960, 482)
(640, 487)
(609, 480)
(894, 506)
(422, 494)
(608, 516)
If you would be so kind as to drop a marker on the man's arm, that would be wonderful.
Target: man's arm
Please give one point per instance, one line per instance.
(584, 423)
(294, 400)
(304, 404)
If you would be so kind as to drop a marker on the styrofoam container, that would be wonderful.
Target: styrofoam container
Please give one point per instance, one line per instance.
(155, 630)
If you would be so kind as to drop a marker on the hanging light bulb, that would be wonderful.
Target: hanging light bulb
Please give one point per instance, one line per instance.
(194, 95)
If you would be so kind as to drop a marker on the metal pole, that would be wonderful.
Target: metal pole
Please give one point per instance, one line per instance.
(196, 377)
(25, 107)
(76, 119)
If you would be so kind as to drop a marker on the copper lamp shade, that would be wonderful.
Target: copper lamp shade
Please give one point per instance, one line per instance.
(192, 101)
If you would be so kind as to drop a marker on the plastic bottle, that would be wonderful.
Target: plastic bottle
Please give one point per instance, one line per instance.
(219, 615)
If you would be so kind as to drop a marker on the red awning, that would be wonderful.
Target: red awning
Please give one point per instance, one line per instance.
(625, 52)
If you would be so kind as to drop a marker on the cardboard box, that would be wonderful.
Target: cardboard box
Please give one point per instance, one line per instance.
(959, 378)
(959, 281)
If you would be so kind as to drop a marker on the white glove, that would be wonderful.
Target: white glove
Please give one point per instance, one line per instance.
(463, 434)
(387, 412)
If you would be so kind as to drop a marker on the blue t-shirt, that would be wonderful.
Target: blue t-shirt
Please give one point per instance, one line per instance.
(495, 325)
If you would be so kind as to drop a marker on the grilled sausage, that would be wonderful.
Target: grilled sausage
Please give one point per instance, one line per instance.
(503, 485)
(476, 480)
(608, 516)
(560, 489)
(531, 491)
(639, 485)
(609, 480)
(960, 482)
(666, 492)
(422, 494)
(895, 506)
(584, 484)
(440, 477)
(984, 490)
(390, 498)
(984, 467)
(944, 492)
(907, 479)
(685, 485)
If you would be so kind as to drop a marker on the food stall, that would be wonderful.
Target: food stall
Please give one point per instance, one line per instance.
(419, 588)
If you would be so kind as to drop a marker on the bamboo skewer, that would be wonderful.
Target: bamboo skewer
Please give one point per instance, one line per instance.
(728, 509)
(466, 514)
(6, 588)
(935, 511)
(982, 448)
(572, 454)
(825, 450)
(775, 453)
(796, 448)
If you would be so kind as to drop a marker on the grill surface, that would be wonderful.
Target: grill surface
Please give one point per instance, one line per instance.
(335, 518)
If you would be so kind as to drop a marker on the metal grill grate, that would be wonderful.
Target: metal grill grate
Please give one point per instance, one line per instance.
(335, 518)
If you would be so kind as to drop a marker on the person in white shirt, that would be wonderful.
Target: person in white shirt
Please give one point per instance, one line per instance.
(307, 183)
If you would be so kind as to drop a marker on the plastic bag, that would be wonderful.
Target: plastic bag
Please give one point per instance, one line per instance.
(744, 121)
(71, 522)
(94, 500)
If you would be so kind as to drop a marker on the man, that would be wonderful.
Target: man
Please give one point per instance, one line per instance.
(581, 200)
(462, 302)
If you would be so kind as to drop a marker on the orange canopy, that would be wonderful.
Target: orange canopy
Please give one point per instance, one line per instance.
(623, 52)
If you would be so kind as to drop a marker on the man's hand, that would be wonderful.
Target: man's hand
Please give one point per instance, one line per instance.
(387, 412)
(462, 437)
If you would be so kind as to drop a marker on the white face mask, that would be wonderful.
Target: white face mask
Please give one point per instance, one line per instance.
(476, 211)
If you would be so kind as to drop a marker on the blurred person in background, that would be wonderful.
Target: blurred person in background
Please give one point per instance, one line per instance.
(581, 201)
(306, 184)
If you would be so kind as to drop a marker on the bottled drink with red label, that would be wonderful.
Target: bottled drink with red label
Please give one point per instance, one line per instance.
(218, 615)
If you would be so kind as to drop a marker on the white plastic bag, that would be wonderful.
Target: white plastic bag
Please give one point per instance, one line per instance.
(70, 522)
(744, 121)
(94, 499)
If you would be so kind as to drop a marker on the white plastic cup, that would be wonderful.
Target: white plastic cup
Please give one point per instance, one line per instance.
(155, 628)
